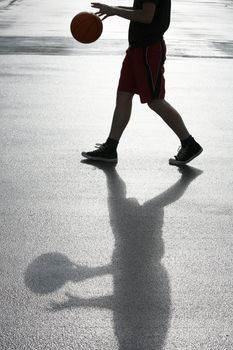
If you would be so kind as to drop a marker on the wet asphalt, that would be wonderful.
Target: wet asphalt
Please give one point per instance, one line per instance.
(132, 257)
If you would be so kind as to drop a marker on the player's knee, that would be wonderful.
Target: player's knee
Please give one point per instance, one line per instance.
(155, 104)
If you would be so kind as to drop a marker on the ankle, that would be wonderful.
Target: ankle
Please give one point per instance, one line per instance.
(187, 140)
(112, 143)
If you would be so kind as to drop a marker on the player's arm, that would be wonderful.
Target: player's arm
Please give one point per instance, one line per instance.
(144, 15)
(125, 7)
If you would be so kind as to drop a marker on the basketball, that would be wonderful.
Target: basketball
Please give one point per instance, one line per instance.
(86, 27)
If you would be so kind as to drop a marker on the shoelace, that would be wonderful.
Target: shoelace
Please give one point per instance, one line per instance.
(181, 152)
(100, 146)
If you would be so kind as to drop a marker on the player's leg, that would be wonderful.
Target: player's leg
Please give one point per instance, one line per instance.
(107, 151)
(121, 114)
(189, 149)
(171, 117)
(153, 93)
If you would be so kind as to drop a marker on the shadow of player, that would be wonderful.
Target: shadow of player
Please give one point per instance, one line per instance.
(141, 301)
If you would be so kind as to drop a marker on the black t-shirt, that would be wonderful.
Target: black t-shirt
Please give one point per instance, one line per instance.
(142, 34)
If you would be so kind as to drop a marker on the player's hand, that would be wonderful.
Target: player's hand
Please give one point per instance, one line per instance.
(104, 10)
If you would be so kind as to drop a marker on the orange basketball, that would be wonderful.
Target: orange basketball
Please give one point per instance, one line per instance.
(86, 27)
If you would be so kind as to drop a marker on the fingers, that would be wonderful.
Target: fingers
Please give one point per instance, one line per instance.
(99, 13)
(103, 10)
(104, 17)
(99, 6)
(96, 4)
(101, 16)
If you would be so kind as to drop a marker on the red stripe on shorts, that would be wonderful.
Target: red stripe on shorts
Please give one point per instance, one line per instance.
(142, 72)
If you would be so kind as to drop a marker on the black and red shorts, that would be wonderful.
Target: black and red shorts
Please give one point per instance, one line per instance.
(142, 72)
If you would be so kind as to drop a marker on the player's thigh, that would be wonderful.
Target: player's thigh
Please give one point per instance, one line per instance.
(149, 73)
(127, 79)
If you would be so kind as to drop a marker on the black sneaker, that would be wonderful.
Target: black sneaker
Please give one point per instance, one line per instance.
(186, 153)
(104, 153)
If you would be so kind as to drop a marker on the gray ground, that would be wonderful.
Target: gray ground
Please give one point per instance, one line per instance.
(137, 257)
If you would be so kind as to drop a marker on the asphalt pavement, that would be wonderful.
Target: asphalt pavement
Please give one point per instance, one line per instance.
(132, 257)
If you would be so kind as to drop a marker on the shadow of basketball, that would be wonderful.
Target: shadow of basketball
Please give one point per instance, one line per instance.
(141, 301)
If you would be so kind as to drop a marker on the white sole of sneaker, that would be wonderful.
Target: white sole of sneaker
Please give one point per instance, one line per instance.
(173, 161)
(114, 160)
